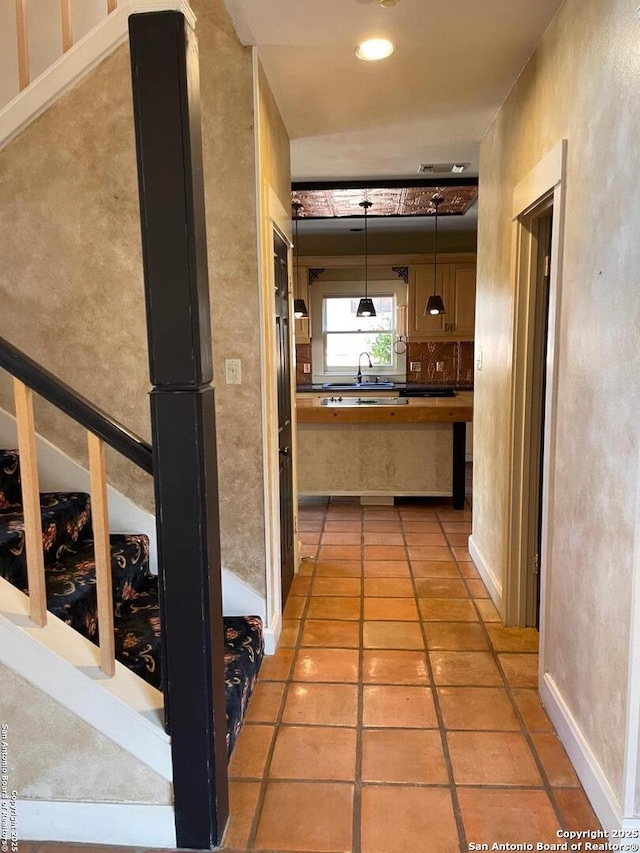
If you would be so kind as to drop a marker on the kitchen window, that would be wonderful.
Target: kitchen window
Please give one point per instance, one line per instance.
(339, 336)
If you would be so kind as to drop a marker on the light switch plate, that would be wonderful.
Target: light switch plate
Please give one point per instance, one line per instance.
(233, 371)
(415, 366)
(479, 360)
(306, 368)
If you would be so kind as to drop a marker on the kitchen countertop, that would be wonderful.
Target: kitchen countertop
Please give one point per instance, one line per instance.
(371, 387)
(417, 410)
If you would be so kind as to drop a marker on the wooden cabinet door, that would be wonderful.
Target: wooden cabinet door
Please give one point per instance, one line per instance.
(420, 289)
(462, 296)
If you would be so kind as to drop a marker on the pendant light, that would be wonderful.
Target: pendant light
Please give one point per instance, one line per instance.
(365, 306)
(435, 305)
(299, 305)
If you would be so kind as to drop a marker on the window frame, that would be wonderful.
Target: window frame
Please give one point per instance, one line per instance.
(319, 291)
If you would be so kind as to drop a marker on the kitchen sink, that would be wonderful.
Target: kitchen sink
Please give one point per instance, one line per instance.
(354, 386)
(363, 401)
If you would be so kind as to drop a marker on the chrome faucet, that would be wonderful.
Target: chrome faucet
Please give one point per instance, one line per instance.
(359, 373)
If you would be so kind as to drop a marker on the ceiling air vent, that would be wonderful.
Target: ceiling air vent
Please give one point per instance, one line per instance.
(442, 168)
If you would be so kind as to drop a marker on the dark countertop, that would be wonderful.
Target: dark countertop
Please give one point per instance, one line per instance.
(371, 387)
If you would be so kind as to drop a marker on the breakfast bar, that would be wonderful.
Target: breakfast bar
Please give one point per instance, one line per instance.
(387, 447)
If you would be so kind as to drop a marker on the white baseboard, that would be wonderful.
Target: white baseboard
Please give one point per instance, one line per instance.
(127, 824)
(76, 63)
(603, 799)
(239, 599)
(272, 635)
(493, 585)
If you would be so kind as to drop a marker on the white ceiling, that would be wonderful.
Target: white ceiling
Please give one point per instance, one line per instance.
(431, 101)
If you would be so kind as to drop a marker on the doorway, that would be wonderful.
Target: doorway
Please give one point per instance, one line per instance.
(285, 430)
(541, 230)
(538, 227)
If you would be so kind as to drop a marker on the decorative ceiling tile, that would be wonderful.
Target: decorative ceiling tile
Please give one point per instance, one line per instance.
(386, 201)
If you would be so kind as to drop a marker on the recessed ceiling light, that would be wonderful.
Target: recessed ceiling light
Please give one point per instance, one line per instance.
(374, 49)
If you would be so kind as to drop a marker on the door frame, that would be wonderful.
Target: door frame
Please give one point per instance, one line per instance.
(546, 181)
(273, 217)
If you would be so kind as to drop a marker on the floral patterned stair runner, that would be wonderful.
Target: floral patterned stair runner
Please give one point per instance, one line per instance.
(71, 589)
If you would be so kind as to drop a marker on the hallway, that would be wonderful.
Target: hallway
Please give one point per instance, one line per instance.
(356, 740)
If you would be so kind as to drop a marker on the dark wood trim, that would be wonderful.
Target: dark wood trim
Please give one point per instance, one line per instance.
(374, 183)
(81, 410)
(164, 62)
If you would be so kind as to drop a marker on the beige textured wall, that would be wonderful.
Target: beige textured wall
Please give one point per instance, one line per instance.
(229, 172)
(336, 459)
(54, 755)
(580, 84)
(70, 264)
(71, 274)
(275, 147)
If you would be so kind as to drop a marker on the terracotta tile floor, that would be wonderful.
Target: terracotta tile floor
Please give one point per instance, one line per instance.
(398, 713)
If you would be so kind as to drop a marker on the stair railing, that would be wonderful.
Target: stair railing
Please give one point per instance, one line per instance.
(30, 378)
(22, 34)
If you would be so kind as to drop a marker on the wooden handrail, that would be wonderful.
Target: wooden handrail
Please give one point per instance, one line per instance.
(81, 410)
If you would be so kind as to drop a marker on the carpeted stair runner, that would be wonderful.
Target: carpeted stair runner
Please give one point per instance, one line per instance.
(71, 589)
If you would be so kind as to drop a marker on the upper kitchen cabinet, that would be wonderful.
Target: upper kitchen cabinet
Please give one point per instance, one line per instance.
(301, 291)
(456, 284)
(462, 295)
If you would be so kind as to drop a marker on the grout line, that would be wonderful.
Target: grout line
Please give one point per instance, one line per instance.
(546, 784)
(285, 695)
(457, 813)
(356, 837)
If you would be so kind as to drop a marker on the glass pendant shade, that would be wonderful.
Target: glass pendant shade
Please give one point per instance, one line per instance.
(300, 309)
(435, 305)
(365, 307)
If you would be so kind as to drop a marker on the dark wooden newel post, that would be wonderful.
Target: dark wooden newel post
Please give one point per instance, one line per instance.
(164, 62)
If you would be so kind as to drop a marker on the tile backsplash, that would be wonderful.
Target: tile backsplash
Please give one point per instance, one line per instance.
(303, 356)
(455, 358)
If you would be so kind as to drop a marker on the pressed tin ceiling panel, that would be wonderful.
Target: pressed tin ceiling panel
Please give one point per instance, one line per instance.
(386, 201)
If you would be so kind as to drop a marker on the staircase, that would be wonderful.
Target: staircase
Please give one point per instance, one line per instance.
(146, 661)
(70, 580)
